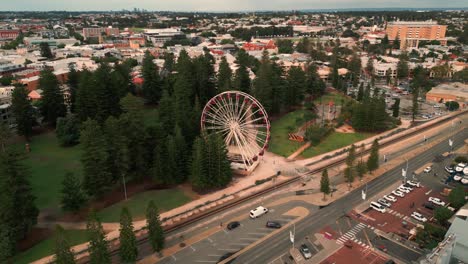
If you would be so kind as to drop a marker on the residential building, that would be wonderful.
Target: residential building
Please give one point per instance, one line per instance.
(5, 105)
(160, 35)
(98, 32)
(446, 92)
(9, 34)
(411, 33)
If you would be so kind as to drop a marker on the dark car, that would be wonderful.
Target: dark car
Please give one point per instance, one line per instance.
(430, 206)
(273, 224)
(233, 225)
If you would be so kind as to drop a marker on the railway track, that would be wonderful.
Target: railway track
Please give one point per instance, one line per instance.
(234, 203)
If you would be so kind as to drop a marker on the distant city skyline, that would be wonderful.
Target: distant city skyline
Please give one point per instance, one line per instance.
(221, 5)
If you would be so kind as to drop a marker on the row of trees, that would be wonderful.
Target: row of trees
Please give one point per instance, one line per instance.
(98, 245)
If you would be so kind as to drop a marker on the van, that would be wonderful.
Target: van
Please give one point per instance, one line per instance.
(378, 207)
(259, 211)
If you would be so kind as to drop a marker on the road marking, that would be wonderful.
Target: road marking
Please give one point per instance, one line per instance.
(175, 259)
(249, 238)
(225, 231)
(257, 234)
(206, 261)
(209, 239)
(227, 249)
(240, 244)
(215, 255)
(427, 193)
(193, 248)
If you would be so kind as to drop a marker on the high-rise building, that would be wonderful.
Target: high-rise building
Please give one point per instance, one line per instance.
(411, 33)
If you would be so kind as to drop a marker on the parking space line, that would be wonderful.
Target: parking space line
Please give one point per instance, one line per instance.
(240, 244)
(175, 259)
(193, 248)
(209, 239)
(249, 238)
(206, 261)
(227, 249)
(215, 255)
(257, 234)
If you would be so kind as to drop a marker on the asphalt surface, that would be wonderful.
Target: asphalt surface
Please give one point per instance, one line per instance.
(278, 245)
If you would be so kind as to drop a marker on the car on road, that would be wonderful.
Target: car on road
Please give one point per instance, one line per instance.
(273, 224)
(419, 217)
(403, 189)
(436, 201)
(384, 202)
(413, 184)
(449, 169)
(390, 198)
(233, 225)
(398, 193)
(257, 212)
(305, 251)
(428, 169)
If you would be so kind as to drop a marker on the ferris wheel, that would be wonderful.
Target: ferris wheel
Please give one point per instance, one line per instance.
(243, 123)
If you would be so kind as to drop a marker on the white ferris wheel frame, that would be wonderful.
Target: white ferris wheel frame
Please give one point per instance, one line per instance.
(241, 120)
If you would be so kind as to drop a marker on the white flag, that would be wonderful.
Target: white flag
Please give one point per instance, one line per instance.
(450, 142)
(363, 195)
(291, 236)
(403, 172)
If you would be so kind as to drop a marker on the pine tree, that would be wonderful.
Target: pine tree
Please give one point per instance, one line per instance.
(166, 112)
(296, 86)
(197, 166)
(117, 149)
(45, 50)
(153, 224)
(152, 83)
(22, 111)
(68, 130)
(73, 83)
(396, 108)
(204, 86)
(128, 245)
(223, 172)
(242, 79)
(169, 62)
(262, 83)
(98, 245)
(349, 171)
(415, 103)
(180, 154)
(370, 66)
(53, 104)
(402, 66)
(224, 76)
(373, 161)
(361, 169)
(73, 197)
(63, 252)
(5, 135)
(97, 176)
(86, 101)
(18, 213)
(315, 85)
(325, 183)
(160, 165)
(107, 96)
(360, 94)
(172, 157)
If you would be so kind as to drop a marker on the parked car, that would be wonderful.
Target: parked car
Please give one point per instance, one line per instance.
(419, 217)
(233, 225)
(449, 169)
(273, 224)
(460, 167)
(384, 202)
(464, 180)
(403, 189)
(390, 198)
(457, 177)
(429, 206)
(428, 169)
(413, 183)
(436, 201)
(305, 251)
(398, 193)
(409, 188)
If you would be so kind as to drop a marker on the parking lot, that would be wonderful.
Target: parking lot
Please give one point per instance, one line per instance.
(227, 242)
(355, 253)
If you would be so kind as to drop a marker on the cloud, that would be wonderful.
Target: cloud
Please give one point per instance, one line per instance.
(219, 5)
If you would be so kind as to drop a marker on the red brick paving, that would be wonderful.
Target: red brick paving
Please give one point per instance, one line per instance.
(355, 254)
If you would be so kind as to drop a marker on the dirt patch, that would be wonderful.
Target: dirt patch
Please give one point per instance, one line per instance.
(345, 129)
(111, 198)
(34, 237)
(189, 192)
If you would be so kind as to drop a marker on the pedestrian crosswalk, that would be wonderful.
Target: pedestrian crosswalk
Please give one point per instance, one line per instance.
(395, 213)
(351, 235)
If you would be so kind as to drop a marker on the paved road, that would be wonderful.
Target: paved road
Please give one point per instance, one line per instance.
(279, 244)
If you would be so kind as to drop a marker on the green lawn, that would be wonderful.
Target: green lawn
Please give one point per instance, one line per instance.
(334, 97)
(48, 163)
(280, 143)
(46, 247)
(164, 199)
(334, 141)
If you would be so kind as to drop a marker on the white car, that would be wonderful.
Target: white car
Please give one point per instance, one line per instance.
(413, 183)
(398, 193)
(464, 180)
(390, 198)
(406, 187)
(384, 202)
(437, 201)
(460, 167)
(419, 217)
(428, 169)
(449, 169)
(403, 189)
(457, 177)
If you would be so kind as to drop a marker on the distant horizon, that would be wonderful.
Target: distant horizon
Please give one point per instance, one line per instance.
(224, 6)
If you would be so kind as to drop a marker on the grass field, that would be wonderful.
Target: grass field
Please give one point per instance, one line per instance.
(280, 143)
(46, 247)
(334, 141)
(334, 97)
(164, 199)
(48, 163)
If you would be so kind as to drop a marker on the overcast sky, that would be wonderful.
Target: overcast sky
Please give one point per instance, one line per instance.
(219, 5)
